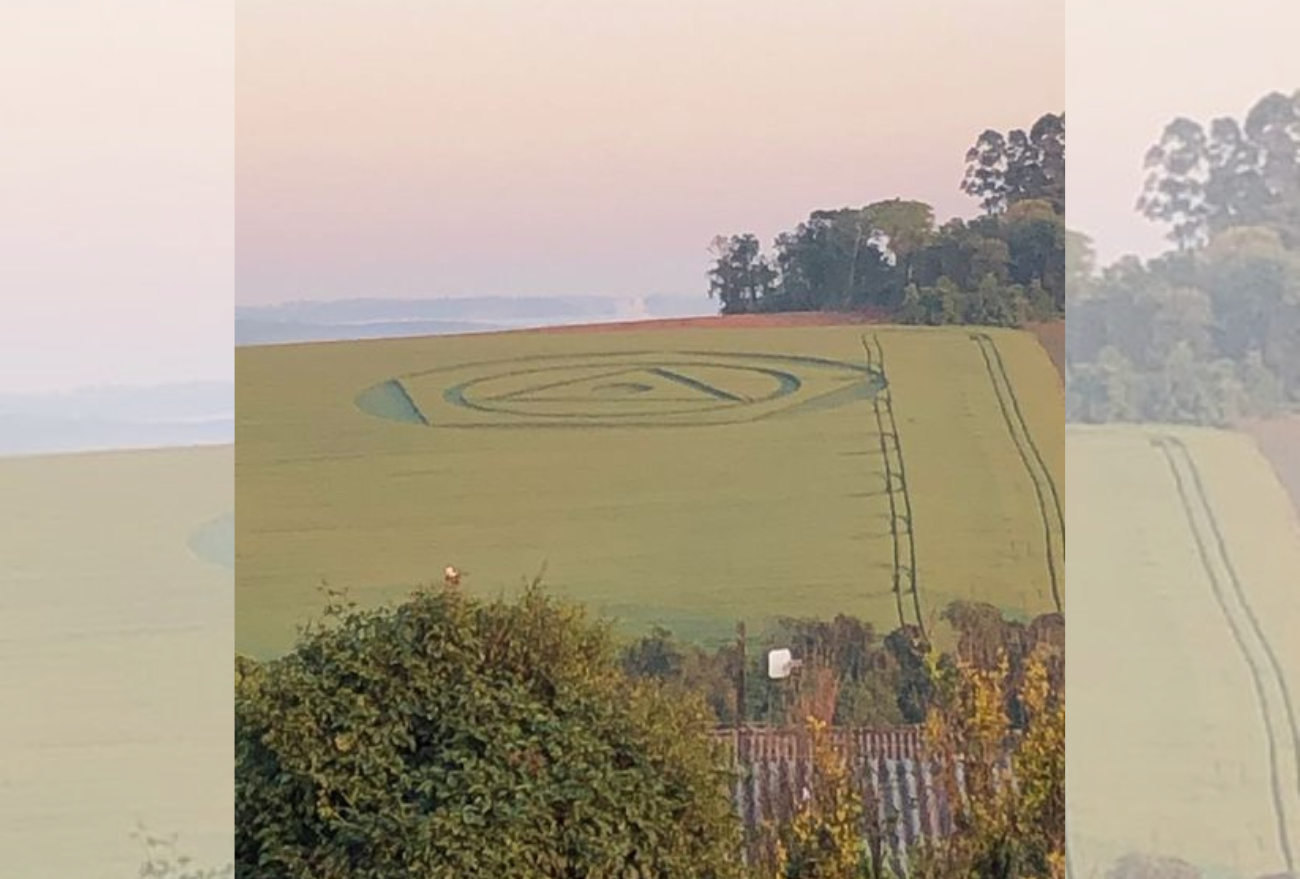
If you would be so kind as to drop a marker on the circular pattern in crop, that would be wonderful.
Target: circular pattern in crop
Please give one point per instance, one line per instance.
(620, 389)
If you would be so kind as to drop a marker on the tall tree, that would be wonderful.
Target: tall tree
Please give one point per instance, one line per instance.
(741, 275)
(1238, 173)
(833, 260)
(902, 227)
(1080, 264)
(1002, 169)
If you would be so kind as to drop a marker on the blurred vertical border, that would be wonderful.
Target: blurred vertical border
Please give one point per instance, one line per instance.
(116, 432)
(1183, 441)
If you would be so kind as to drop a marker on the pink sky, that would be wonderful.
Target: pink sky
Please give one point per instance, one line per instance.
(1131, 68)
(116, 196)
(391, 148)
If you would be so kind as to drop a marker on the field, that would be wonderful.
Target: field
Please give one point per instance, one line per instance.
(1183, 660)
(1279, 440)
(115, 669)
(685, 476)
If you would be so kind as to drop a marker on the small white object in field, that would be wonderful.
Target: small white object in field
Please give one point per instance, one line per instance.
(780, 663)
(451, 575)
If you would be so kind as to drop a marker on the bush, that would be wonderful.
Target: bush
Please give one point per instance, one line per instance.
(824, 840)
(449, 737)
(1009, 804)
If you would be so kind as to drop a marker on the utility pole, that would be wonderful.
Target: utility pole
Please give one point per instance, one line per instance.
(740, 679)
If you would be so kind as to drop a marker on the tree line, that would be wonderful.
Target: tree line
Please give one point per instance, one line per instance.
(882, 679)
(1001, 268)
(1208, 332)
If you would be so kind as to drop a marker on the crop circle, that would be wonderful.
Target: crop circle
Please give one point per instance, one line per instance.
(620, 389)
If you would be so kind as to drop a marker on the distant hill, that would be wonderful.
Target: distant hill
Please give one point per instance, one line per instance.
(118, 417)
(349, 319)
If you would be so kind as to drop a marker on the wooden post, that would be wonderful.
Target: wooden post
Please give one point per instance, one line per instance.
(740, 683)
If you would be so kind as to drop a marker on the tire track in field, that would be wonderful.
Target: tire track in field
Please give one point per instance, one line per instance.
(1271, 691)
(1035, 467)
(895, 488)
(415, 407)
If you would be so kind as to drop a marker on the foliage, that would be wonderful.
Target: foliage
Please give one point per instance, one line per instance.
(453, 737)
(1209, 333)
(1000, 269)
(872, 681)
(877, 682)
(988, 641)
(997, 707)
(684, 666)
(1238, 173)
(1009, 803)
(741, 276)
(824, 840)
(1003, 170)
(1205, 337)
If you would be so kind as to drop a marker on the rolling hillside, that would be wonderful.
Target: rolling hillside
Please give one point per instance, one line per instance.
(680, 476)
(1189, 737)
(115, 667)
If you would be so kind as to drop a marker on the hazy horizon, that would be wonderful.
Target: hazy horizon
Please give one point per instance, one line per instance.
(393, 150)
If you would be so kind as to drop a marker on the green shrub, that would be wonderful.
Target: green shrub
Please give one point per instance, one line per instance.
(449, 737)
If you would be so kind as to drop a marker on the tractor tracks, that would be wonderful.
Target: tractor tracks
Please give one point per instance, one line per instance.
(1271, 691)
(902, 534)
(1049, 497)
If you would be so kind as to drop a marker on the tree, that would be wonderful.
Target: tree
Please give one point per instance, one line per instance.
(1102, 391)
(825, 840)
(1247, 173)
(903, 227)
(915, 686)
(834, 261)
(989, 258)
(994, 304)
(866, 674)
(654, 656)
(1009, 803)
(1003, 169)
(741, 276)
(688, 667)
(888, 256)
(1035, 236)
(1080, 264)
(452, 737)
(1253, 282)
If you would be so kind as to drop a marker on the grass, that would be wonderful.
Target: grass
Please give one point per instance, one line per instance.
(115, 664)
(687, 477)
(1182, 651)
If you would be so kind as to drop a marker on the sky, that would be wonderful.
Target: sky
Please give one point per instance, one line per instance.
(1131, 68)
(116, 193)
(480, 147)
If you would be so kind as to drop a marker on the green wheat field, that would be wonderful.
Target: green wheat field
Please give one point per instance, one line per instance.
(686, 477)
(1183, 655)
(115, 605)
